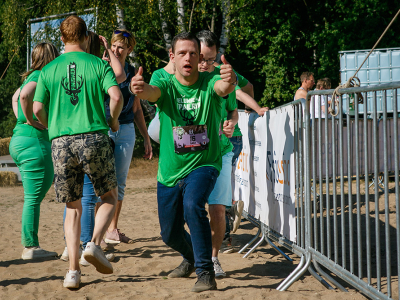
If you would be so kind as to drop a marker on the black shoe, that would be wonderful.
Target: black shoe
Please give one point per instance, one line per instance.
(185, 269)
(205, 282)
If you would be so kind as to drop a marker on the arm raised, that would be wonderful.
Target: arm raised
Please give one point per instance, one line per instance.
(226, 85)
(142, 89)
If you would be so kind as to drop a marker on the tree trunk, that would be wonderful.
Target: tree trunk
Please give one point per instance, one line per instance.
(213, 16)
(224, 39)
(164, 26)
(120, 16)
(181, 15)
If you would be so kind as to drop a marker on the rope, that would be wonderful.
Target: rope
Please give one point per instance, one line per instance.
(353, 80)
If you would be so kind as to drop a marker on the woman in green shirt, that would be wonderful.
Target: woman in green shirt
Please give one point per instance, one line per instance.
(31, 151)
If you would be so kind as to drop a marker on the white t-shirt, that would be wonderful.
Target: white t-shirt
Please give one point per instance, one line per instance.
(319, 101)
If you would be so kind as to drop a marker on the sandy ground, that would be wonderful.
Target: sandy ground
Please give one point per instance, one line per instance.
(140, 269)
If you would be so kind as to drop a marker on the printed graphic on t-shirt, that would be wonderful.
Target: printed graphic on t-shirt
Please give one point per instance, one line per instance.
(71, 85)
(188, 109)
(190, 138)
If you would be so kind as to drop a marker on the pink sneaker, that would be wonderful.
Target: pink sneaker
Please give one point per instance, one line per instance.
(115, 237)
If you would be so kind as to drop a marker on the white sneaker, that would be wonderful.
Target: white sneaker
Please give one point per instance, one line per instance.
(65, 255)
(36, 252)
(94, 255)
(219, 273)
(72, 279)
(85, 263)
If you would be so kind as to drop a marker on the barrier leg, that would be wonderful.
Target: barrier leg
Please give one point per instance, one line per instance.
(277, 249)
(251, 242)
(328, 277)
(297, 275)
(291, 275)
(319, 278)
(255, 246)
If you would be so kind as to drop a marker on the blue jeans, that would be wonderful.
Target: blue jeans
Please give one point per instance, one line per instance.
(237, 143)
(124, 140)
(89, 200)
(185, 202)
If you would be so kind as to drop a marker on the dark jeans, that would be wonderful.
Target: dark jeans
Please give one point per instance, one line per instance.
(185, 202)
(237, 143)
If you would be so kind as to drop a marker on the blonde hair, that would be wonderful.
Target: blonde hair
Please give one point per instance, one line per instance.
(73, 30)
(123, 36)
(42, 54)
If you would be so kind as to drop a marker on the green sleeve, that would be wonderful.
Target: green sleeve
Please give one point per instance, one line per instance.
(108, 78)
(231, 103)
(241, 80)
(162, 84)
(155, 76)
(42, 94)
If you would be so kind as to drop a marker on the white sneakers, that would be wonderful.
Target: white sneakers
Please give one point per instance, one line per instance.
(219, 273)
(36, 252)
(72, 279)
(94, 255)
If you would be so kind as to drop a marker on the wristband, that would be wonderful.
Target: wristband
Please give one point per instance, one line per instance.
(235, 83)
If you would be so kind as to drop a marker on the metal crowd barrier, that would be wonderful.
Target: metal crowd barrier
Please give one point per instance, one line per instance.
(347, 194)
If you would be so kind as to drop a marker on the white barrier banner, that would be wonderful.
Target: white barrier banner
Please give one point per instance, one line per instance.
(264, 174)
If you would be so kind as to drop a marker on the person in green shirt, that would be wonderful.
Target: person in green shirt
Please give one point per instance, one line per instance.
(69, 100)
(190, 155)
(30, 150)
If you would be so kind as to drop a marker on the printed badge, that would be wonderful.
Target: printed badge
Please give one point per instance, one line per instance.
(190, 138)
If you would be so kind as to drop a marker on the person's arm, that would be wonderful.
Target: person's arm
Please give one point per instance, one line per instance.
(229, 124)
(250, 102)
(248, 89)
(116, 104)
(118, 69)
(300, 94)
(143, 90)
(15, 102)
(26, 99)
(40, 113)
(141, 124)
(225, 86)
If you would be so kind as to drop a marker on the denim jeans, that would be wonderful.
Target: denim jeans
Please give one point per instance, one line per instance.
(237, 143)
(185, 202)
(89, 200)
(124, 140)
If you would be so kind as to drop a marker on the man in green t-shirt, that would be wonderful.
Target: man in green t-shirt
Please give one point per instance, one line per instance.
(69, 101)
(190, 155)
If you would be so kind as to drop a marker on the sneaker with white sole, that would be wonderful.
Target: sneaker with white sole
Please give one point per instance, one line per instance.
(72, 279)
(83, 262)
(65, 255)
(226, 246)
(94, 255)
(219, 273)
(36, 253)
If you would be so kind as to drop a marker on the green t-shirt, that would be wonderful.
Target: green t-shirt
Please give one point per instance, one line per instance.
(157, 75)
(22, 129)
(72, 88)
(182, 105)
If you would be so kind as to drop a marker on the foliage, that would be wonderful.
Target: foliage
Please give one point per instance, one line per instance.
(271, 42)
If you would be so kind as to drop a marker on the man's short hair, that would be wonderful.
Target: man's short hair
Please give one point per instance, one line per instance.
(73, 30)
(327, 81)
(320, 84)
(185, 36)
(305, 75)
(208, 38)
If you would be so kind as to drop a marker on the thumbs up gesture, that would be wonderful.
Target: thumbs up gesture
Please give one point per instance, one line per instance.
(227, 73)
(137, 82)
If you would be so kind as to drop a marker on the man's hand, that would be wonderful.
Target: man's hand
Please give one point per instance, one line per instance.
(36, 124)
(227, 73)
(148, 150)
(228, 128)
(262, 110)
(137, 82)
(114, 124)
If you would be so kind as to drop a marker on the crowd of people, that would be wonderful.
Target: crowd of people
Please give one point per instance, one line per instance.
(75, 124)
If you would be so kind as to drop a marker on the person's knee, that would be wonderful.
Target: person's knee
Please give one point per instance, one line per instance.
(110, 197)
(217, 211)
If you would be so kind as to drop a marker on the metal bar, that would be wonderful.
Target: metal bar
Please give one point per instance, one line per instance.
(321, 209)
(314, 175)
(367, 209)
(301, 158)
(371, 88)
(386, 187)
(328, 209)
(349, 182)
(277, 249)
(342, 200)
(28, 48)
(328, 277)
(298, 274)
(376, 194)
(58, 16)
(255, 246)
(291, 275)
(396, 176)
(297, 162)
(334, 202)
(251, 241)
(319, 278)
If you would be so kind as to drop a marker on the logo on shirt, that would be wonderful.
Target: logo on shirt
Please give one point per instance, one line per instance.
(71, 84)
(188, 109)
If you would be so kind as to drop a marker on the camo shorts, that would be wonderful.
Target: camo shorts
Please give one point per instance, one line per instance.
(76, 155)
